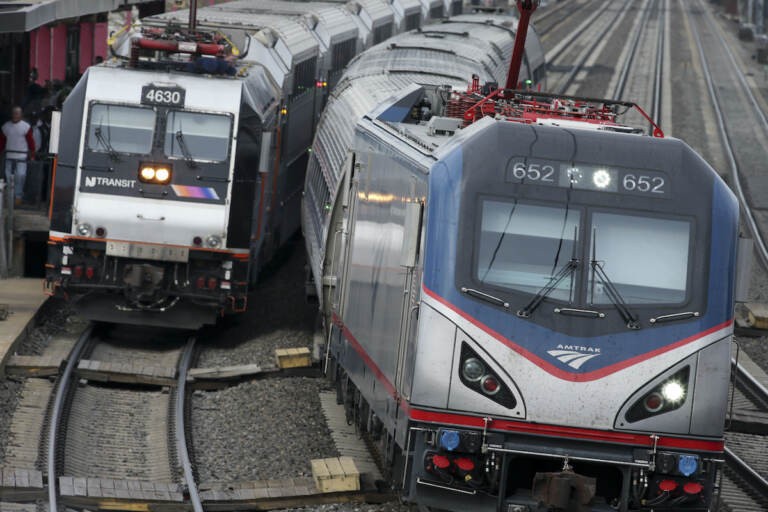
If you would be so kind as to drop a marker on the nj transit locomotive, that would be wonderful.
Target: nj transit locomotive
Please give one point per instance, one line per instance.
(182, 159)
(526, 303)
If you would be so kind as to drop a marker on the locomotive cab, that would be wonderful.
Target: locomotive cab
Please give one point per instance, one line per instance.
(146, 225)
(539, 311)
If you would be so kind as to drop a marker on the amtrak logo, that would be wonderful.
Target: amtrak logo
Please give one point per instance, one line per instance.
(574, 355)
(93, 181)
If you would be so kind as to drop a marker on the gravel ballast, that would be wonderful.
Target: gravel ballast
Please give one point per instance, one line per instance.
(261, 430)
(55, 318)
(278, 316)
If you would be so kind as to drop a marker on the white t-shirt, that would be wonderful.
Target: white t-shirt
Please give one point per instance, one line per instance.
(16, 139)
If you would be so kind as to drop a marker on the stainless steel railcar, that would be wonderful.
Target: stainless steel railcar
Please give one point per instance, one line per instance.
(531, 312)
(182, 159)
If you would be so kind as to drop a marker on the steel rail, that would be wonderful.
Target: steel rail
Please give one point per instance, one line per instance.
(619, 89)
(558, 21)
(743, 470)
(585, 55)
(579, 31)
(56, 413)
(181, 437)
(753, 386)
(749, 217)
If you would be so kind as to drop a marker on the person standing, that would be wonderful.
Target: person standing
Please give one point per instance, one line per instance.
(17, 141)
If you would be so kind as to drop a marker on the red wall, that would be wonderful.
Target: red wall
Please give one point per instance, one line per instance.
(40, 53)
(100, 40)
(86, 46)
(59, 57)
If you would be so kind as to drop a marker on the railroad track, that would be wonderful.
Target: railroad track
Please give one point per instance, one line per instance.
(744, 487)
(110, 442)
(567, 59)
(556, 16)
(114, 434)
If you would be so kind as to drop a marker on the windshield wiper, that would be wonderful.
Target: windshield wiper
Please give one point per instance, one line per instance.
(627, 315)
(185, 150)
(568, 269)
(104, 142)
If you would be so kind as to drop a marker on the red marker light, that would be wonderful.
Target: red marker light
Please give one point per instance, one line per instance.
(692, 488)
(653, 402)
(464, 464)
(201, 282)
(440, 461)
(197, 241)
(667, 485)
(78, 271)
(211, 283)
(490, 385)
(89, 272)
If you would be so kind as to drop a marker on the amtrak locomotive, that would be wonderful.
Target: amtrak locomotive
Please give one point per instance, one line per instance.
(527, 304)
(182, 158)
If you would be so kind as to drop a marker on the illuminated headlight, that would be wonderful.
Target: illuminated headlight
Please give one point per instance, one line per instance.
(147, 173)
(154, 173)
(213, 241)
(673, 391)
(84, 229)
(162, 175)
(473, 370)
(601, 178)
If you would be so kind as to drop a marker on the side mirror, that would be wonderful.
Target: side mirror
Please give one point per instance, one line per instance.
(53, 140)
(744, 254)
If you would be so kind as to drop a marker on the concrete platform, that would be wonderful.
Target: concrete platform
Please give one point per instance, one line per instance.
(23, 297)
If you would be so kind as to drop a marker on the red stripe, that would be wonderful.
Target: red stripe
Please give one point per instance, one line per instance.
(518, 426)
(569, 432)
(366, 358)
(566, 375)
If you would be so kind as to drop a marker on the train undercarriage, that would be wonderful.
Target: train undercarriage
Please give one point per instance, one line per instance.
(169, 287)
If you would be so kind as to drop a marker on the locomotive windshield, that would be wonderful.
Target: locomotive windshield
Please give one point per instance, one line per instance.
(645, 258)
(197, 136)
(525, 247)
(513, 238)
(121, 129)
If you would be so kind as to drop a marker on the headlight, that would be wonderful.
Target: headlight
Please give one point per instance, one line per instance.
(162, 175)
(147, 173)
(673, 391)
(213, 241)
(159, 174)
(84, 229)
(473, 369)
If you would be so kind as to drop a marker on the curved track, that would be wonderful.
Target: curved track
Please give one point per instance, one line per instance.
(140, 434)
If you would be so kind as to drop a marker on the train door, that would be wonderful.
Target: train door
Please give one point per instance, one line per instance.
(409, 262)
(334, 265)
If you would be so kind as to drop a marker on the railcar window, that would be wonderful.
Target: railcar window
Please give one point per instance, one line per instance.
(121, 129)
(645, 258)
(413, 21)
(382, 32)
(522, 246)
(197, 136)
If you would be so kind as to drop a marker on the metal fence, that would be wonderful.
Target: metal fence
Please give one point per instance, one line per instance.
(36, 169)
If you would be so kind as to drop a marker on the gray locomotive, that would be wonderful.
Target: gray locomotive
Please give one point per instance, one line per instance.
(182, 158)
(527, 304)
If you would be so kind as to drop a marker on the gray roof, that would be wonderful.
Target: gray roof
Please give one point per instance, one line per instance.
(23, 16)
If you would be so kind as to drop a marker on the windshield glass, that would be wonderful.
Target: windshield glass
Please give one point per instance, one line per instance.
(645, 258)
(522, 246)
(121, 129)
(202, 136)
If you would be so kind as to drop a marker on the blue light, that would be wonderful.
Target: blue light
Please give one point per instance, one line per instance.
(687, 464)
(449, 439)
